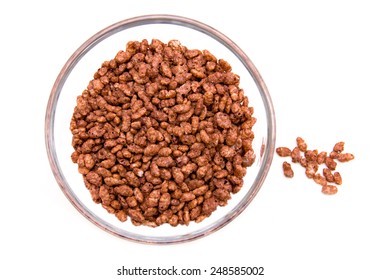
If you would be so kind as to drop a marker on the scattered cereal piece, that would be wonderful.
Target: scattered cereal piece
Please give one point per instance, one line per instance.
(337, 178)
(330, 163)
(283, 151)
(319, 179)
(328, 175)
(295, 155)
(345, 157)
(339, 147)
(301, 144)
(329, 189)
(287, 170)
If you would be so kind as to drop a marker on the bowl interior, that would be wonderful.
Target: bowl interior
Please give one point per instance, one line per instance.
(79, 70)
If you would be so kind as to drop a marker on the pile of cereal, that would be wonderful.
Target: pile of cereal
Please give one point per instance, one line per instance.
(163, 134)
(311, 161)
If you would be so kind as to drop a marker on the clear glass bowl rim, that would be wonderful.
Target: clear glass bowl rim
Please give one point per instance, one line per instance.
(146, 20)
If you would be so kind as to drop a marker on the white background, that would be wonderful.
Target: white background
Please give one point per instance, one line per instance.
(321, 61)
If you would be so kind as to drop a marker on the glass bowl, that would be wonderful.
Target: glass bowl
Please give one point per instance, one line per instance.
(79, 70)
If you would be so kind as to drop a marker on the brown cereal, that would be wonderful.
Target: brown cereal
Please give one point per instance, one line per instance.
(345, 157)
(295, 155)
(163, 134)
(321, 157)
(311, 155)
(311, 161)
(248, 158)
(337, 178)
(287, 170)
(333, 155)
(311, 169)
(227, 152)
(319, 179)
(283, 151)
(301, 144)
(330, 163)
(339, 147)
(329, 189)
(328, 175)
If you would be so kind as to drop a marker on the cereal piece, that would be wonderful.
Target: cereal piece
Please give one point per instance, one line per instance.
(111, 181)
(337, 178)
(301, 144)
(319, 179)
(287, 170)
(345, 157)
(187, 197)
(295, 155)
(227, 152)
(283, 151)
(209, 206)
(138, 195)
(321, 157)
(164, 201)
(311, 155)
(205, 137)
(178, 176)
(136, 215)
(303, 162)
(232, 136)
(174, 220)
(333, 155)
(121, 215)
(94, 178)
(329, 189)
(222, 120)
(331, 164)
(311, 169)
(123, 190)
(224, 173)
(248, 158)
(200, 190)
(328, 175)
(165, 152)
(221, 194)
(339, 147)
(165, 161)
